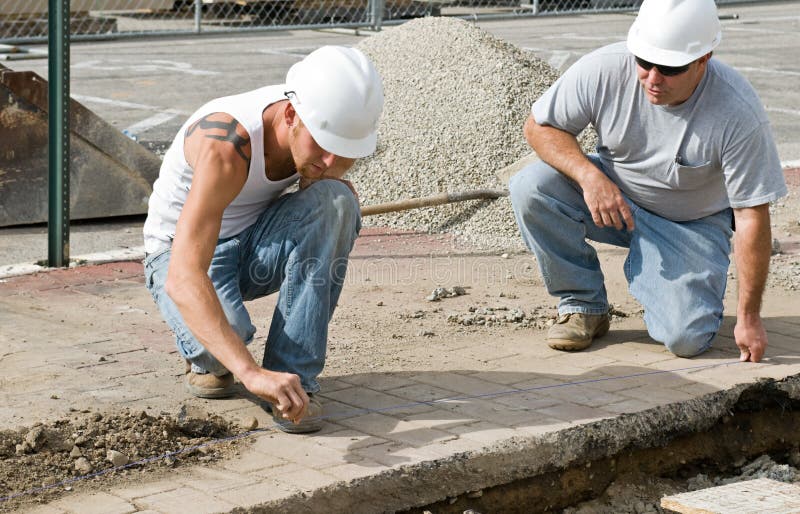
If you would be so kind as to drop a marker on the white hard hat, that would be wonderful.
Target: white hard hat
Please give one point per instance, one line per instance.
(338, 95)
(674, 32)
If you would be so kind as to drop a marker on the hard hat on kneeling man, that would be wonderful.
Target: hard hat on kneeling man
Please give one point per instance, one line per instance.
(674, 32)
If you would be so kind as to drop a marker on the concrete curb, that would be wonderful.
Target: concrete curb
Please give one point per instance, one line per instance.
(127, 254)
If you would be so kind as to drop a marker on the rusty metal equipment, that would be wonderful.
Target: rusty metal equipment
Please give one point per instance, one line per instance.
(111, 175)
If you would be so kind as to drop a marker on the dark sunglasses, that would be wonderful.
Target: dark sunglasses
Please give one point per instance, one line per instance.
(667, 71)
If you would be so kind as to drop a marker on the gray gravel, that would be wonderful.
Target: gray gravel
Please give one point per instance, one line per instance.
(456, 100)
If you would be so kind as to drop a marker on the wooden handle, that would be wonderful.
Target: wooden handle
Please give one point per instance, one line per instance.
(430, 201)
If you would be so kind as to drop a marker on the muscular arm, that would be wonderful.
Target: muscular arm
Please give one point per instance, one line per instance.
(752, 250)
(560, 150)
(218, 150)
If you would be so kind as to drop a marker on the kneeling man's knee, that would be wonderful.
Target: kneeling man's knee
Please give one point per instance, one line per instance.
(688, 343)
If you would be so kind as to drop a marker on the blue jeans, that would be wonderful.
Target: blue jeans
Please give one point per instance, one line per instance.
(298, 246)
(676, 270)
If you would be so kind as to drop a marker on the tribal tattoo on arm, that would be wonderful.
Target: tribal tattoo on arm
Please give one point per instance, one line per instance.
(229, 133)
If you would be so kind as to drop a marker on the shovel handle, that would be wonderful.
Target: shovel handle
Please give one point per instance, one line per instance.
(429, 201)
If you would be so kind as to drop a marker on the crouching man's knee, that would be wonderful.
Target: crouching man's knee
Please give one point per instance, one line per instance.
(338, 202)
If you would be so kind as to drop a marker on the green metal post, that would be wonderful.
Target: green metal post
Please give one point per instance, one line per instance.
(58, 144)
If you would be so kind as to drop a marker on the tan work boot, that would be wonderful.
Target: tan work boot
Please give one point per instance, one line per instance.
(575, 331)
(312, 422)
(208, 385)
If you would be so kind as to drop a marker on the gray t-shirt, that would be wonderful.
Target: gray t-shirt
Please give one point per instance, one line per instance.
(713, 151)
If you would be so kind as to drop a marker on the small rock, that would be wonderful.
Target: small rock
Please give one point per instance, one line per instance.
(117, 458)
(475, 494)
(101, 359)
(49, 481)
(82, 466)
(250, 423)
(34, 437)
(504, 256)
(76, 452)
(54, 397)
(443, 292)
(81, 440)
(379, 304)
(22, 449)
(97, 416)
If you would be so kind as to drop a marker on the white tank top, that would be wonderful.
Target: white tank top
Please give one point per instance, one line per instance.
(175, 177)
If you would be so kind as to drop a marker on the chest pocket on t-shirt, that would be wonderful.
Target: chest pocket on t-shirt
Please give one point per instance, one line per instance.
(685, 177)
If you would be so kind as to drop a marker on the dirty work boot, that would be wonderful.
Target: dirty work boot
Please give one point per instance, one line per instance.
(208, 385)
(311, 423)
(575, 331)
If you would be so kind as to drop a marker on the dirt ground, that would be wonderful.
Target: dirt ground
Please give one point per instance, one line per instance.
(399, 300)
(113, 448)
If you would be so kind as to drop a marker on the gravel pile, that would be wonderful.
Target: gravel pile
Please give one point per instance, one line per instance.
(456, 101)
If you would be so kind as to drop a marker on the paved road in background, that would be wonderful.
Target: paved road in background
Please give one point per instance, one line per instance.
(148, 87)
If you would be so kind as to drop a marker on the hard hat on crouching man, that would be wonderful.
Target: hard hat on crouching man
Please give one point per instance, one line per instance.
(338, 94)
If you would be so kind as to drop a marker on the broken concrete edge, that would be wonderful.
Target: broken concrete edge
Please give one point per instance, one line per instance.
(518, 458)
(127, 254)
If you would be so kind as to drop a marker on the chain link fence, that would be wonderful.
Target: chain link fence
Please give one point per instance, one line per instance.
(25, 21)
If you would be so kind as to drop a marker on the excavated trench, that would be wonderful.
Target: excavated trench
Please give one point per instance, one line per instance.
(764, 421)
(655, 452)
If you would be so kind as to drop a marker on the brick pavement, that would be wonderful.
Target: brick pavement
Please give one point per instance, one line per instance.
(92, 334)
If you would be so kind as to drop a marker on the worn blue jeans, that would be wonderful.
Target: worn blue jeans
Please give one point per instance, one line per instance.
(299, 247)
(676, 270)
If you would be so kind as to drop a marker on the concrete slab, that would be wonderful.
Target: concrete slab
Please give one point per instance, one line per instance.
(760, 496)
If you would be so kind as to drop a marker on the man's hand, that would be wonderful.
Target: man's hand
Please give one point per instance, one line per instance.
(751, 338)
(605, 202)
(560, 150)
(282, 390)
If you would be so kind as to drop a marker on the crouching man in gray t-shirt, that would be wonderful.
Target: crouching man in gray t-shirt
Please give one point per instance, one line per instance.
(685, 155)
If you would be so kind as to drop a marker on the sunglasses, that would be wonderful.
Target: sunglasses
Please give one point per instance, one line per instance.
(667, 71)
